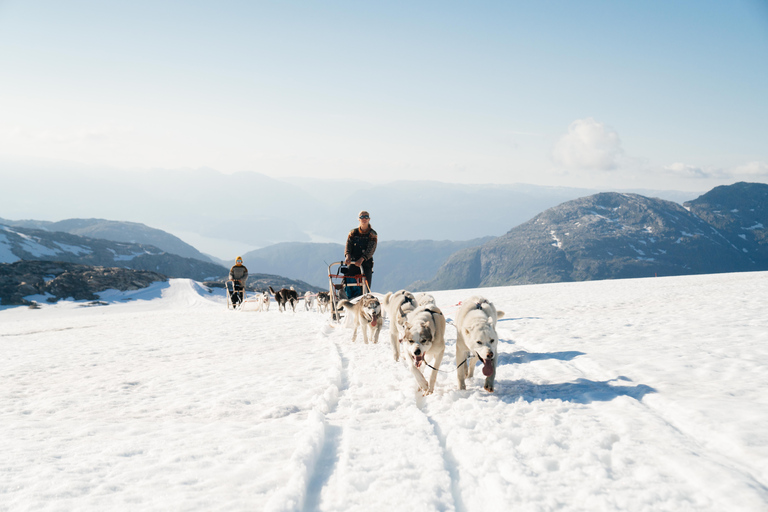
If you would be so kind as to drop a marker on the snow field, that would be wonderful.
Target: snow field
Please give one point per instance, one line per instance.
(615, 395)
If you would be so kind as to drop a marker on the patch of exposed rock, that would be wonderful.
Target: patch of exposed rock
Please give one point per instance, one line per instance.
(61, 280)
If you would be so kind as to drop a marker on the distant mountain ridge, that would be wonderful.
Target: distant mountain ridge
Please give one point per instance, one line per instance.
(258, 211)
(33, 244)
(117, 231)
(397, 263)
(617, 235)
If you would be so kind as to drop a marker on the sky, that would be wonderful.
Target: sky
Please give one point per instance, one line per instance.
(657, 94)
(605, 398)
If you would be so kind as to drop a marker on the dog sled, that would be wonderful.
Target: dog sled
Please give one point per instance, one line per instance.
(344, 285)
(231, 290)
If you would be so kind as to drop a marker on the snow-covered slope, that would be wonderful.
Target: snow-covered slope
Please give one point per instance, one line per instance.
(18, 243)
(644, 394)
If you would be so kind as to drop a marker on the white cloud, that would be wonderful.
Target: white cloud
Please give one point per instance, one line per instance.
(749, 170)
(588, 144)
(687, 171)
(753, 169)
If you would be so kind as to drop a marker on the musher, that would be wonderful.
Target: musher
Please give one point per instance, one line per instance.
(238, 274)
(361, 244)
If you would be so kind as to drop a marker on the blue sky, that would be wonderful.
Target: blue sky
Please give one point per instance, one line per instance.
(649, 94)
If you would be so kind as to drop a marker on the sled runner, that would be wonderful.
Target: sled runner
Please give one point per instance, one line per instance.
(231, 290)
(343, 285)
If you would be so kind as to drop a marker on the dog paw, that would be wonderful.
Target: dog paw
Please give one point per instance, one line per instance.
(488, 388)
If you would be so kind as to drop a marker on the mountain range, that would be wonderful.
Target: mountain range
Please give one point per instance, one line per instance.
(397, 263)
(229, 214)
(607, 235)
(619, 235)
(17, 243)
(117, 231)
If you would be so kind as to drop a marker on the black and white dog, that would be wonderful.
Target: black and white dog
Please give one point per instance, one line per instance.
(323, 301)
(285, 296)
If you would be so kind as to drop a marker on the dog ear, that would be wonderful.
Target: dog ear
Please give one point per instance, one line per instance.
(466, 331)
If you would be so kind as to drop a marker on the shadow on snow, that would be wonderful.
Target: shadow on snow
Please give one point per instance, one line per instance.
(582, 391)
(521, 356)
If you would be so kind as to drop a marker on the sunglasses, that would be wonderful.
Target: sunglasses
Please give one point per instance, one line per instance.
(364, 217)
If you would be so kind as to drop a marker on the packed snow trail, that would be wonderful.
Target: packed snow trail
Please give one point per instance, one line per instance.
(640, 395)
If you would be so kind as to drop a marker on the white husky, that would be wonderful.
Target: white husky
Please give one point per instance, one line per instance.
(264, 302)
(423, 334)
(365, 313)
(397, 305)
(476, 339)
(308, 299)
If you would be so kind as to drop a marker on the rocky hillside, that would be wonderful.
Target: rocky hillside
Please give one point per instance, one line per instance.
(59, 280)
(740, 213)
(612, 235)
(33, 244)
(117, 231)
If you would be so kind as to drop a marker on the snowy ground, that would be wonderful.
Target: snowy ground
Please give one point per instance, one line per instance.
(645, 394)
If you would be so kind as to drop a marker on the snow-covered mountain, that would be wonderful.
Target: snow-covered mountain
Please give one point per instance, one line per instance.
(614, 235)
(620, 395)
(33, 244)
(117, 231)
(740, 213)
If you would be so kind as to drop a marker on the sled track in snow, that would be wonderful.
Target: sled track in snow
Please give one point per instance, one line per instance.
(377, 397)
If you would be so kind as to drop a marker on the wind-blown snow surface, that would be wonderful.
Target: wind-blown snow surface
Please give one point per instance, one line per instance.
(645, 394)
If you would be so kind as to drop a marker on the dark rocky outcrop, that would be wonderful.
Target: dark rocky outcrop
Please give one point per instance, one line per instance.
(61, 280)
(740, 213)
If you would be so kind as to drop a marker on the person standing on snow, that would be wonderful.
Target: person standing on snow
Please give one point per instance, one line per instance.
(238, 274)
(361, 244)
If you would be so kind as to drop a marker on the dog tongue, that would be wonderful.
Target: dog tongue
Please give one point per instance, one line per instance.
(419, 360)
(487, 367)
(373, 322)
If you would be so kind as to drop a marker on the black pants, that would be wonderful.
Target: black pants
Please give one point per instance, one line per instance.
(367, 271)
(237, 293)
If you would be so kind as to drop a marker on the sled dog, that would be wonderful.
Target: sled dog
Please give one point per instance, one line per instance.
(365, 313)
(263, 301)
(425, 299)
(476, 339)
(285, 296)
(323, 301)
(308, 299)
(397, 305)
(424, 335)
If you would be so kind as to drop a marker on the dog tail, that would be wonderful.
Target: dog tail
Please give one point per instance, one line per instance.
(386, 298)
(344, 303)
(271, 291)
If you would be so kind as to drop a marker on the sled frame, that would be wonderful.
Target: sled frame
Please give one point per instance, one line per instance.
(337, 283)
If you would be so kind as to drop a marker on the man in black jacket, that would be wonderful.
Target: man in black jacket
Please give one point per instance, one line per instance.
(361, 244)
(238, 274)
